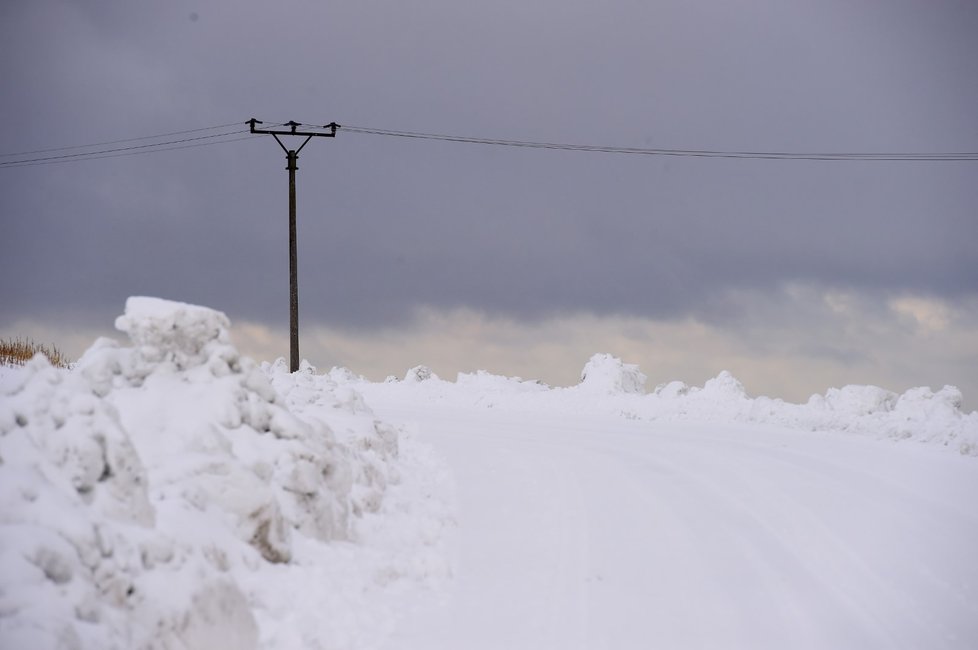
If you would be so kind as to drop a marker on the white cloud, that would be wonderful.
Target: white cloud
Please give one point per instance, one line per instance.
(930, 315)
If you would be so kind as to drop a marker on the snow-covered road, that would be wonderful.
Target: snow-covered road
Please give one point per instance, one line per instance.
(600, 532)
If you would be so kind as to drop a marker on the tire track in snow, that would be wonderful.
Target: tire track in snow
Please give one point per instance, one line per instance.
(521, 548)
(753, 573)
(632, 535)
(782, 529)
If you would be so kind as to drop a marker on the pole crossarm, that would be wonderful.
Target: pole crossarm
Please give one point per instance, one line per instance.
(293, 129)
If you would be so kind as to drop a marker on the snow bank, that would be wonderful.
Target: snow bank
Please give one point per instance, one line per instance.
(610, 386)
(149, 494)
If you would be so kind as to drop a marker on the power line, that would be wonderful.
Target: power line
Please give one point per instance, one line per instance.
(106, 143)
(130, 153)
(141, 148)
(692, 153)
(168, 145)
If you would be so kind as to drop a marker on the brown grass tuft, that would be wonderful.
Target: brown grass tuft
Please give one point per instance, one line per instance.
(17, 352)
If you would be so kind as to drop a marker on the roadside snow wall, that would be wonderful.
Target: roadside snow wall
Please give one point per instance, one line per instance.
(140, 490)
(610, 386)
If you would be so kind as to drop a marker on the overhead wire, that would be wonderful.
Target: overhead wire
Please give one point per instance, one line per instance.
(132, 153)
(109, 142)
(141, 148)
(694, 153)
(225, 137)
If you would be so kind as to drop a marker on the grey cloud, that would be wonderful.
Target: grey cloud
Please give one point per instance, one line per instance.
(387, 225)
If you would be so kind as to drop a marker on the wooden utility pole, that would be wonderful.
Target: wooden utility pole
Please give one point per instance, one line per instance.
(292, 156)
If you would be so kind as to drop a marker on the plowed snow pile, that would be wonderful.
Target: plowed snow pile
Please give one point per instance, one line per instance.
(173, 494)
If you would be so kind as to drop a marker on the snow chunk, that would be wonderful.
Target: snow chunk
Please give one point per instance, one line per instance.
(486, 382)
(725, 386)
(855, 401)
(419, 373)
(173, 331)
(672, 389)
(607, 374)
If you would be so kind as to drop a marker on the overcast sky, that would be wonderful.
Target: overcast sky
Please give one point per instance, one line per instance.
(794, 275)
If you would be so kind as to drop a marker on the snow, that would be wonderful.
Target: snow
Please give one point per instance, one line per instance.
(171, 493)
(607, 374)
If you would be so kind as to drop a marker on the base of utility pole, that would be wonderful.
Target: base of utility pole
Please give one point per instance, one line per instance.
(292, 157)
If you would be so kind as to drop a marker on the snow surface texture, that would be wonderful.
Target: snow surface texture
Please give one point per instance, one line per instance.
(599, 516)
(584, 531)
(173, 494)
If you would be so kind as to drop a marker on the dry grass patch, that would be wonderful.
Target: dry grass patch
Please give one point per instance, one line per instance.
(17, 352)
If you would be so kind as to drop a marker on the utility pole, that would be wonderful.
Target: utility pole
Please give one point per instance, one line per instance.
(292, 155)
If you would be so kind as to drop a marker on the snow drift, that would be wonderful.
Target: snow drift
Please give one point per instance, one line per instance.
(143, 492)
(609, 386)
